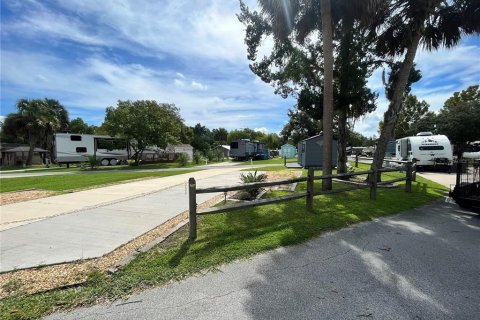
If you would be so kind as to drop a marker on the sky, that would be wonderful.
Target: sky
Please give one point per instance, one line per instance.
(90, 54)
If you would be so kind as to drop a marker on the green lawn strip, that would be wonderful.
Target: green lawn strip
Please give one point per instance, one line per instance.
(276, 160)
(272, 168)
(223, 238)
(78, 181)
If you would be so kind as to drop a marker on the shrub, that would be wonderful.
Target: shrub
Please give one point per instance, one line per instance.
(208, 155)
(182, 159)
(249, 177)
(93, 162)
(197, 157)
(219, 156)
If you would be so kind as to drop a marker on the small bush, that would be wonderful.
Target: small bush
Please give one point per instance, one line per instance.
(197, 157)
(182, 159)
(208, 155)
(249, 177)
(93, 162)
(219, 156)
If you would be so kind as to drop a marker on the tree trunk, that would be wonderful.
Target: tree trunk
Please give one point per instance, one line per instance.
(342, 142)
(32, 141)
(327, 33)
(391, 115)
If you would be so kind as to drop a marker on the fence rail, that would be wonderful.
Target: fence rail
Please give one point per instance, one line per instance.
(372, 183)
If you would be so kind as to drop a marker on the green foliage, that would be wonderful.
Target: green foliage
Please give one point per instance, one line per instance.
(93, 162)
(197, 157)
(250, 177)
(218, 155)
(245, 133)
(271, 141)
(209, 155)
(35, 122)
(414, 118)
(220, 136)
(182, 159)
(202, 138)
(144, 123)
(77, 125)
(459, 118)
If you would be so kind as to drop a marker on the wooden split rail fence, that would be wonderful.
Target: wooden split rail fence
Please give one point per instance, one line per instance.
(310, 178)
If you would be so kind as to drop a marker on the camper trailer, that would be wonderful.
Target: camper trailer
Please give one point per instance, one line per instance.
(245, 149)
(426, 150)
(74, 148)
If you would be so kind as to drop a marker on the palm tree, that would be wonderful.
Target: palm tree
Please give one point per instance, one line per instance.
(41, 118)
(306, 16)
(413, 22)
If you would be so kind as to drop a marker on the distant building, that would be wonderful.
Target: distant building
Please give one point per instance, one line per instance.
(288, 150)
(16, 154)
(225, 149)
(172, 150)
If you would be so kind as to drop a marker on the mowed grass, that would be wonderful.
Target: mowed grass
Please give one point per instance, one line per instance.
(70, 182)
(223, 238)
(276, 160)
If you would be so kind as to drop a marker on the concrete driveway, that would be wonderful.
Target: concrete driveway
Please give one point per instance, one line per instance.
(94, 222)
(422, 264)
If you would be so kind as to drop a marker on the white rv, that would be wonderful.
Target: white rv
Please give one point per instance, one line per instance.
(426, 149)
(72, 148)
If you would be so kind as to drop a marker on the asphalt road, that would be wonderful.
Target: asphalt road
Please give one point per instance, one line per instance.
(422, 264)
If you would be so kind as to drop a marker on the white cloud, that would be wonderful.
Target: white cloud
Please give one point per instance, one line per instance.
(180, 75)
(179, 83)
(262, 129)
(199, 86)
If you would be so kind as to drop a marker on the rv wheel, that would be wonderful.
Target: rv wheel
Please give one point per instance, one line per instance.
(113, 162)
(105, 162)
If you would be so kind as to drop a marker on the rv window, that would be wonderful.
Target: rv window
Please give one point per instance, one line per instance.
(431, 148)
(81, 149)
(234, 145)
(75, 138)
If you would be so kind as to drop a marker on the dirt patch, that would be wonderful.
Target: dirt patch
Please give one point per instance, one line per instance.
(25, 195)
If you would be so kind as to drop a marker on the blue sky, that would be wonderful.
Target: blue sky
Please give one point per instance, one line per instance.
(89, 54)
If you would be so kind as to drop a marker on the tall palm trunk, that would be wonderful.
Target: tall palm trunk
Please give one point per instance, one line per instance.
(327, 32)
(342, 141)
(391, 115)
(32, 141)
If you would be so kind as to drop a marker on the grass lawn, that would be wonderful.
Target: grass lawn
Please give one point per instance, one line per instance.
(276, 160)
(223, 238)
(78, 181)
(272, 168)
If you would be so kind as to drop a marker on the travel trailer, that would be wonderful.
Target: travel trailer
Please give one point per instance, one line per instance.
(245, 149)
(426, 150)
(74, 148)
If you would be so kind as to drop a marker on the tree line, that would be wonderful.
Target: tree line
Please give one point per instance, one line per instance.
(144, 123)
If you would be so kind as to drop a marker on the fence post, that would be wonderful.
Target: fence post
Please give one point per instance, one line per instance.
(408, 184)
(373, 184)
(192, 205)
(310, 180)
(414, 171)
(285, 161)
(356, 160)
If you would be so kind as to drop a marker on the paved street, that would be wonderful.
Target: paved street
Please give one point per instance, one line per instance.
(422, 264)
(92, 223)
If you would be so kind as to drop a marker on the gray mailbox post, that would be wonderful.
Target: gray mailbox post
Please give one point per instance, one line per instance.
(310, 152)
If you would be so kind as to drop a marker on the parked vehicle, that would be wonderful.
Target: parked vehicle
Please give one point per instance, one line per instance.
(244, 149)
(75, 148)
(426, 150)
